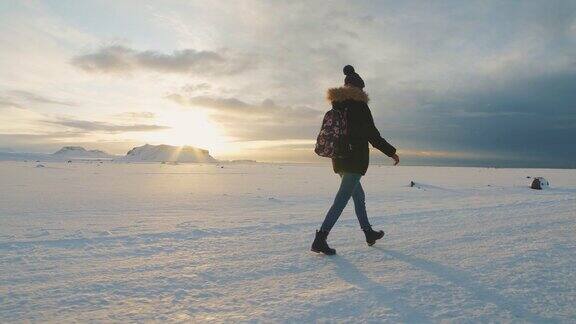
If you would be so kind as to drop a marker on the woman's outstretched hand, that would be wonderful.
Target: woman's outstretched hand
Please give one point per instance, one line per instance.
(396, 159)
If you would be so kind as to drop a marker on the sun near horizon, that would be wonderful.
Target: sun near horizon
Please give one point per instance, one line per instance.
(189, 128)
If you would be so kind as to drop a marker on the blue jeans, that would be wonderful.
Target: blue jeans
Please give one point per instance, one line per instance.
(349, 187)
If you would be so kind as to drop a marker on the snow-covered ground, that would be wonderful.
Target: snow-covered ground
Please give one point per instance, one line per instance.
(193, 243)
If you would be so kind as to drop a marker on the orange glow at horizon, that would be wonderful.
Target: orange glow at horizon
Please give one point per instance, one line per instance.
(189, 128)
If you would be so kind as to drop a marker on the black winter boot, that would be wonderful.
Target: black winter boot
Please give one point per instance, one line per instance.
(372, 236)
(320, 245)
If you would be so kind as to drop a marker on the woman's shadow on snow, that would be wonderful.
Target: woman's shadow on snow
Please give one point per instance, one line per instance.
(348, 272)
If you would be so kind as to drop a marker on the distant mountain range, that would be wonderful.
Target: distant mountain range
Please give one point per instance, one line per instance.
(144, 153)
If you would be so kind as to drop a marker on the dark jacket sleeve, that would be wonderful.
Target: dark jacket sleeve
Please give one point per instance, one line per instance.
(374, 137)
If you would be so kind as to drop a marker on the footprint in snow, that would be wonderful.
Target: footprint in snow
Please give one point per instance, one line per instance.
(104, 233)
(40, 233)
(185, 225)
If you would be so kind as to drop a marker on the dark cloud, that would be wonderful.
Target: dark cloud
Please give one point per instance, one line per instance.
(264, 121)
(122, 59)
(524, 119)
(95, 126)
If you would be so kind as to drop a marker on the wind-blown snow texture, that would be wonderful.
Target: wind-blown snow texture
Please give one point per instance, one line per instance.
(124, 242)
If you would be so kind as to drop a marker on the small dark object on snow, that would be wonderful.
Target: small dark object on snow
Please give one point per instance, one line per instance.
(372, 236)
(528, 177)
(539, 183)
(415, 185)
(320, 245)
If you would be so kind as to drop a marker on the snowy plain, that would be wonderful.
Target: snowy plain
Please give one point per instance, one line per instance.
(115, 242)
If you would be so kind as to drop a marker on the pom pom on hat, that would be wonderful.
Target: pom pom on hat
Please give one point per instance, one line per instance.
(349, 69)
(352, 78)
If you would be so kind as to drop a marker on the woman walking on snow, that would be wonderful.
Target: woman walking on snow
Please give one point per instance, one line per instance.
(353, 102)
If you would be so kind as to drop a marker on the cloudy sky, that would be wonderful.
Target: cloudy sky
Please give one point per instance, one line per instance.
(451, 82)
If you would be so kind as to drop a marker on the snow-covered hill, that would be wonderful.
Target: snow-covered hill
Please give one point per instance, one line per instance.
(68, 152)
(167, 153)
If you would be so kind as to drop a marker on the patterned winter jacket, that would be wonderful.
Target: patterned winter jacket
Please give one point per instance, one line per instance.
(361, 129)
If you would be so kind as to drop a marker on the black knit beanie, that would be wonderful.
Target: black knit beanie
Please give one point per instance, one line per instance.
(352, 78)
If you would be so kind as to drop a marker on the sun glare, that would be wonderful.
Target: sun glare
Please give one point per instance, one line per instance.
(189, 128)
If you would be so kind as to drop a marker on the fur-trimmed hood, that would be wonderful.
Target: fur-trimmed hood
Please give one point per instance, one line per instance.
(346, 93)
